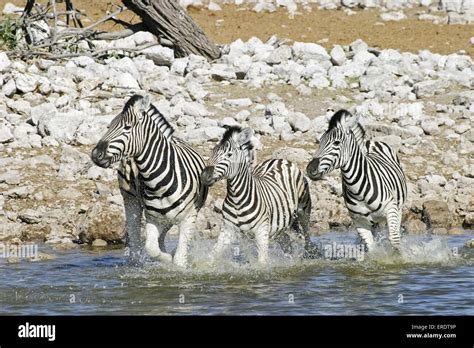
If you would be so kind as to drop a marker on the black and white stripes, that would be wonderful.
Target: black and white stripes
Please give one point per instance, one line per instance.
(374, 185)
(261, 201)
(159, 174)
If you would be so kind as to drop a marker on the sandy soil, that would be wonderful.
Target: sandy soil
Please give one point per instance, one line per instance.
(326, 27)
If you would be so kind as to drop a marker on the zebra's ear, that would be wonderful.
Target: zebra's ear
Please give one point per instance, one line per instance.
(145, 103)
(245, 136)
(349, 121)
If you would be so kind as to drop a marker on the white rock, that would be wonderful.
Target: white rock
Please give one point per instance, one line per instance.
(122, 80)
(308, 51)
(72, 162)
(228, 121)
(61, 126)
(318, 81)
(358, 45)
(261, 125)
(436, 180)
(279, 55)
(363, 57)
(91, 129)
(125, 65)
(221, 72)
(19, 106)
(62, 101)
(430, 127)
(279, 124)
(25, 82)
(179, 66)
(143, 37)
(471, 40)
(451, 5)
(83, 61)
(194, 109)
(393, 16)
(159, 55)
(41, 110)
(9, 88)
(277, 108)
(6, 135)
(168, 88)
(390, 55)
(242, 115)
(338, 57)
(10, 8)
(299, 121)
(5, 62)
(238, 103)
(429, 87)
(292, 154)
(214, 7)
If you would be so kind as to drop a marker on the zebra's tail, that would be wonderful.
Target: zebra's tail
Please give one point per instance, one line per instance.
(202, 196)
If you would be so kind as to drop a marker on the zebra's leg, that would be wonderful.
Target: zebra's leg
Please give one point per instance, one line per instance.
(224, 240)
(153, 233)
(133, 221)
(161, 238)
(364, 228)
(186, 234)
(262, 240)
(393, 223)
(311, 250)
(285, 243)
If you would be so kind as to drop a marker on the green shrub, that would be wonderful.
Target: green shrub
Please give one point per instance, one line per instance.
(8, 33)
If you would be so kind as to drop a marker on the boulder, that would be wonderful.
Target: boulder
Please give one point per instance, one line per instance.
(299, 121)
(338, 57)
(5, 62)
(436, 214)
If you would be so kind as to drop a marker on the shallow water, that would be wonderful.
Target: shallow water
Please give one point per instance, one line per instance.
(426, 278)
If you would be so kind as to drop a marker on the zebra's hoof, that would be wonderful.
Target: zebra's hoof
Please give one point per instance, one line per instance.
(180, 262)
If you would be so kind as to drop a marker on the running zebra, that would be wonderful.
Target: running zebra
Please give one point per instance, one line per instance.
(262, 201)
(159, 175)
(373, 182)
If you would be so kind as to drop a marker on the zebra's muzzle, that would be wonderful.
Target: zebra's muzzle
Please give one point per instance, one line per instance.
(313, 170)
(99, 158)
(207, 176)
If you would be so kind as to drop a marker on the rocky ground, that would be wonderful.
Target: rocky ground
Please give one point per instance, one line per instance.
(53, 112)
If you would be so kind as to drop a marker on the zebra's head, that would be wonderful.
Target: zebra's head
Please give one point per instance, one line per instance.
(334, 147)
(122, 138)
(231, 154)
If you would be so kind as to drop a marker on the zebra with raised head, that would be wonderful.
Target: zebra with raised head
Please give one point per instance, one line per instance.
(262, 201)
(373, 182)
(159, 175)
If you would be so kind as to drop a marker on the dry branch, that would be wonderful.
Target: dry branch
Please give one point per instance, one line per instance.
(168, 19)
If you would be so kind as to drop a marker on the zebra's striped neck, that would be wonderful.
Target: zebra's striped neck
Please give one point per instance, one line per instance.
(354, 159)
(155, 152)
(240, 184)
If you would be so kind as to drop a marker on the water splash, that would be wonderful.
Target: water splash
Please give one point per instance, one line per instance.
(423, 250)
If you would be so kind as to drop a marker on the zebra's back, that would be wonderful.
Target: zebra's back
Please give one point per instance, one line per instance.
(383, 181)
(173, 188)
(277, 189)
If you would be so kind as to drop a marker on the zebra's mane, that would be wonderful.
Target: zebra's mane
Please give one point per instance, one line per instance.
(339, 117)
(230, 131)
(152, 111)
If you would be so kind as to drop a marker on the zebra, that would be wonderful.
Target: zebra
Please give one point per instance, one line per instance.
(374, 185)
(158, 174)
(262, 201)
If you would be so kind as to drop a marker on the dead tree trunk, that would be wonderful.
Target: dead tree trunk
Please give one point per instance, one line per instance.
(168, 19)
